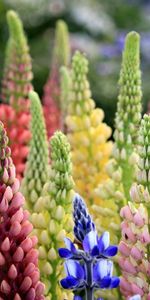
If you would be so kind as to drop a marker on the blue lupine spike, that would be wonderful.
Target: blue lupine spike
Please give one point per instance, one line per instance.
(88, 268)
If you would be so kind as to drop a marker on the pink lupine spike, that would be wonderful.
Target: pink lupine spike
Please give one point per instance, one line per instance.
(19, 273)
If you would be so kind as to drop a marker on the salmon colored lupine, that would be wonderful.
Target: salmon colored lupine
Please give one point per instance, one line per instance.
(135, 244)
(19, 273)
(16, 85)
(52, 217)
(51, 98)
(122, 167)
(88, 136)
(36, 171)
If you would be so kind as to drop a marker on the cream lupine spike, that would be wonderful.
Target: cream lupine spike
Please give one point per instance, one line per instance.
(36, 172)
(135, 244)
(121, 168)
(52, 217)
(88, 138)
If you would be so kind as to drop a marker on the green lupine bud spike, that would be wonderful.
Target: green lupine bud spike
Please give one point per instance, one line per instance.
(16, 82)
(132, 48)
(16, 30)
(62, 45)
(128, 114)
(36, 171)
(52, 216)
(80, 89)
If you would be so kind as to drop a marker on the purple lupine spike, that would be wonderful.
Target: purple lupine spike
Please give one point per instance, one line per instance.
(19, 273)
(88, 268)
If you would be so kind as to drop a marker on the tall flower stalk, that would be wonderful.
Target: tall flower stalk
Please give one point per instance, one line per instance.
(51, 216)
(36, 171)
(51, 98)
(19, 273)
(16, 85)
(90, 149)
(122, 167)
(88, 267)
(135, 244)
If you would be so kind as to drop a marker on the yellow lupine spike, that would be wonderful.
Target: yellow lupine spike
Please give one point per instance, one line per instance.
(88, 136)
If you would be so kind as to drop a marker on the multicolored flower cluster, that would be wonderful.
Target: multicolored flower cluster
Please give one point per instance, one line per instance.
(16, 85)
(19, 273)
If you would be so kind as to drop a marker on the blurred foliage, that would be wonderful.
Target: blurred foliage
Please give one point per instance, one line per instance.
(97, 27)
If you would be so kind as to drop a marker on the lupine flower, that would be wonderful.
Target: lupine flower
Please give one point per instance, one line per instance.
(51, 98)
(36, 172)
(88, 138)
(122, 167)
(90, 268)
(19, 273)
(51, 216)
(134, 246)
(16, 85)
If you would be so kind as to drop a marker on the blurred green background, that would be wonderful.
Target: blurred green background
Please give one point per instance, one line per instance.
(96, 27)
